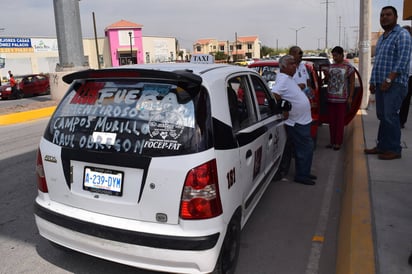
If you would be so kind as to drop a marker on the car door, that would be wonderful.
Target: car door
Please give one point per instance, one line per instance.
(323, 104)
(250, 136)
(272, 121)
(28, 85)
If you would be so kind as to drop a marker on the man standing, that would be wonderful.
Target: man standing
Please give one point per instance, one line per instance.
(301, 75)
(388, 82)
(298, 121)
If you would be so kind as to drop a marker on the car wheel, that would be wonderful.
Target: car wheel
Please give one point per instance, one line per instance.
(229, 254)
(20, 94)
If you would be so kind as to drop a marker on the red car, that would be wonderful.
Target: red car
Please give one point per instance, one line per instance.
(27, 85)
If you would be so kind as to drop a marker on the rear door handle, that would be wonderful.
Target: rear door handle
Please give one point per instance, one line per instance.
(248, 154)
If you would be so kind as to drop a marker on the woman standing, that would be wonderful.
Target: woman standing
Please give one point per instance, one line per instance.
(341, 86)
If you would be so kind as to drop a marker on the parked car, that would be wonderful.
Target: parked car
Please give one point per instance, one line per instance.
(27, 85)
(318, 61)
(158, 166)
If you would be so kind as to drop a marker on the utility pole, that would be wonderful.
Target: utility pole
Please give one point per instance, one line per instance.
(296, 34)
(236, 44)
(95, 41)
(69, 35)
(340, 26)
(365, 48)
(327, 13)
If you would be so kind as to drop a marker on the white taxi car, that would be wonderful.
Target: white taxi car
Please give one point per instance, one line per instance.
(158, 166)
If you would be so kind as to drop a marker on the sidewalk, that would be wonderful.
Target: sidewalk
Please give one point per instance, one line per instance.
(391, 196)
(375, 232)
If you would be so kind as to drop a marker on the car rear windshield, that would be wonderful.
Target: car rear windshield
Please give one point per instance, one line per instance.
(143, 117)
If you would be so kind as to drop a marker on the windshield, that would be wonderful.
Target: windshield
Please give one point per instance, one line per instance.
(148, 118)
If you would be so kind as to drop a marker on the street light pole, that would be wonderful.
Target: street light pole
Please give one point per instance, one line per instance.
(131, 49)
(296, 34)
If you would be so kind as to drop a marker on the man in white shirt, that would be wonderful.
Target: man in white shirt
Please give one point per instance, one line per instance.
(298, 122)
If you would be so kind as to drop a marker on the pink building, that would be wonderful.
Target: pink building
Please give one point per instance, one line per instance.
(125, 43)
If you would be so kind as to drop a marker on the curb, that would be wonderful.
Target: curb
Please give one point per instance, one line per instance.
(26, 116)
(355, 252)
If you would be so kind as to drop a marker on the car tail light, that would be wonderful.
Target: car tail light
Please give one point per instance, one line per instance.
(41, 179)
(200, 197)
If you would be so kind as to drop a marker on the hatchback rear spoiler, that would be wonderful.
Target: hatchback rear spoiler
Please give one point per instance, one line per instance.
(183, 78)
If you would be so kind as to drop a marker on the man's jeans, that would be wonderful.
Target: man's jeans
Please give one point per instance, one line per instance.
(388, 104)
(303, 148)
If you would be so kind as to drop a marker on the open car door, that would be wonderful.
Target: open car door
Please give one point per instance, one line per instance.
(323, 99)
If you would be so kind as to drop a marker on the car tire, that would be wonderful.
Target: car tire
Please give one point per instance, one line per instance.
(229, 253)
(20, 94)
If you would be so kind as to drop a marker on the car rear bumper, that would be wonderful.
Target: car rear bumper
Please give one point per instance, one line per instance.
(177, 254)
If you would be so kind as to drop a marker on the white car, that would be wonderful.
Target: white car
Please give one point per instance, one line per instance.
(158, 166)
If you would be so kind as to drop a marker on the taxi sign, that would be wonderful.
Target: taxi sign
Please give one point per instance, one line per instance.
(202, 59)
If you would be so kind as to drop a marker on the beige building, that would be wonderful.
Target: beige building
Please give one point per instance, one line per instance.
(244, 48)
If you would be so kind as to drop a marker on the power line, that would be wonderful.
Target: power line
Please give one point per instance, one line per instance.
(327, 11)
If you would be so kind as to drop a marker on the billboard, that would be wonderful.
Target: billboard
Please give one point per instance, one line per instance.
(15, 45)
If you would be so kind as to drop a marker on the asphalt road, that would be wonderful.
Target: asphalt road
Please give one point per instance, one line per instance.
(293, 229)
(24, 101)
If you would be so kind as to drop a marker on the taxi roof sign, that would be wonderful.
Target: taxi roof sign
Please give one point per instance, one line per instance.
(202, 59)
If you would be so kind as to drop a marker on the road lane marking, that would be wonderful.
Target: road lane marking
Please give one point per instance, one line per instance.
(318, 238)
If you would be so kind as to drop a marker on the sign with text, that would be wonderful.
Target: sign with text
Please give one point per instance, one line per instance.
(11, 42)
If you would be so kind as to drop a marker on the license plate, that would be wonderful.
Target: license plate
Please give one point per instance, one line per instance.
(103, 180)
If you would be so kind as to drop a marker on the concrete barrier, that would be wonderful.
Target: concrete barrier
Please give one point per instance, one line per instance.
(25, 116)
(355, 241)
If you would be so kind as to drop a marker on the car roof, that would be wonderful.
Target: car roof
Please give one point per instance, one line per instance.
(264, 63)
(29, 75)
(315, 57)
(198, 69)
